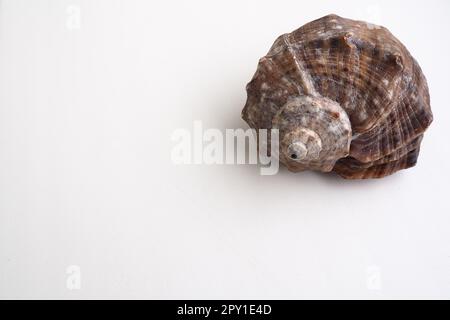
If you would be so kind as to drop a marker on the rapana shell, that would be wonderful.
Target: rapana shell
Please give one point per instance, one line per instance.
(345, 95)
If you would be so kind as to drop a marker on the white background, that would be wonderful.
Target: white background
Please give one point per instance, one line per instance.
(86, 178)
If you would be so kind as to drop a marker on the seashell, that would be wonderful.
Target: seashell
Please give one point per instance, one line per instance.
(345, 95)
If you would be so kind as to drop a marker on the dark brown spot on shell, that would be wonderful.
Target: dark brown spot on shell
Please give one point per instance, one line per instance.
(335, 115)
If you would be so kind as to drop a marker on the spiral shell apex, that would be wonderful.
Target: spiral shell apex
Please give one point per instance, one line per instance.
(345, 95)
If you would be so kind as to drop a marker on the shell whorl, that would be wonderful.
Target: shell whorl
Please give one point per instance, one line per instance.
(315, 132)
(347, 86)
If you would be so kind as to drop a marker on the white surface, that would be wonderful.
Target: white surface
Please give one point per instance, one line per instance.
(86, 177)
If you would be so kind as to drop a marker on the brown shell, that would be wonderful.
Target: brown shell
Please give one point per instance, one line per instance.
(363, 69)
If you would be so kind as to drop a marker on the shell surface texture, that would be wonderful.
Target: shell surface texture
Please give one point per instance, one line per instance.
(345, 95)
